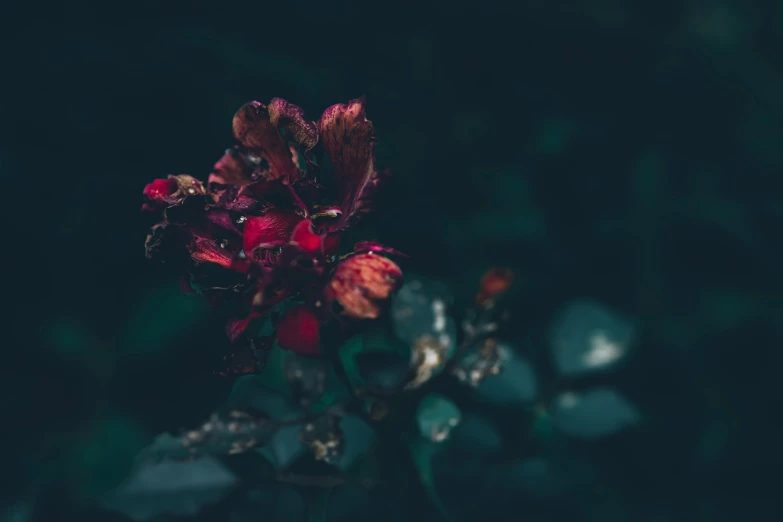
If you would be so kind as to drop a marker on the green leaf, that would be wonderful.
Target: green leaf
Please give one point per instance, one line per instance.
(171, 487)
(348, 352)
(422, 453)
(436, 417)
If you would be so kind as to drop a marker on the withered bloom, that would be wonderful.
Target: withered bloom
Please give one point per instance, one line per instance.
(263, 230)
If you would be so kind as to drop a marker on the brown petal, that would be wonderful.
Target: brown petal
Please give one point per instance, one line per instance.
(291, 118)
(231, 169)
(254, 130)
(349, 140)
(361, 282)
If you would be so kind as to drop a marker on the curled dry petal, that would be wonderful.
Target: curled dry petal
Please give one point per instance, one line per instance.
(349, 140)
(271, 230)
(299, 331)
(291, 118)
(253, 129)
(361, 282)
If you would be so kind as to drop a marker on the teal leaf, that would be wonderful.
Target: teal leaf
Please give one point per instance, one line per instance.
(515, 385)
(436, 417)
(358, 439)
(284, 447)
(422, 454)
(476, 434)
(595, 413)
(587, 337)
(420, 308)
(171, 487)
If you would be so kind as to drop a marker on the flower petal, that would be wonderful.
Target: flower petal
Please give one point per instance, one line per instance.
(231, 169)
(299, 331)
(160, 189)
(236, 327)
(362, 247)
(271, 230)
(291, 118)
(208, 251)
(305, 238)
(361, 281)
(253, 129)
(349, 140)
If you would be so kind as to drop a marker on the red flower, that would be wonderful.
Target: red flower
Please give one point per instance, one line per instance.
(264, 230)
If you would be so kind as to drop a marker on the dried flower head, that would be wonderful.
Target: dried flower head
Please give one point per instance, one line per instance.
(263, 230)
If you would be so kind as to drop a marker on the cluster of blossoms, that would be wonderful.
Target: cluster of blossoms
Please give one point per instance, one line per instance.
(266, 228)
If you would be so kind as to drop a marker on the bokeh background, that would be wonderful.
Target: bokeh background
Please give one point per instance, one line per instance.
(628, 152)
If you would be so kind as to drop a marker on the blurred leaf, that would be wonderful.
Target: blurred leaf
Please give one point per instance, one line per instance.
(171, 487)
(587, 337)
(476, 434)
(420, 308)
(382, 370)
(164, 315)
(358, 437)
(285, 446)
(516, 384)
(422, 453)
(436, 417)
(594, 413)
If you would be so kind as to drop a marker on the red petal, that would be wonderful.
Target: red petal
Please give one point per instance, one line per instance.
(253, 130)
(305, 238)
(236, 327)
(348, 137)
(493, 284)
(331, 244)
(273, 229)
(160, 189)
(362, 247)
(298, 331)
(207, 251)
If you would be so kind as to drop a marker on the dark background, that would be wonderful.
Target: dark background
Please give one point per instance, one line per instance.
(624, 151)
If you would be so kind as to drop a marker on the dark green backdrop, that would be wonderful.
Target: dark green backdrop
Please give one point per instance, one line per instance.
(625, 151)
